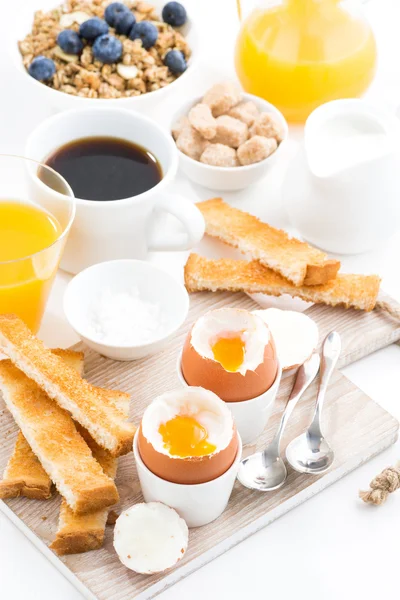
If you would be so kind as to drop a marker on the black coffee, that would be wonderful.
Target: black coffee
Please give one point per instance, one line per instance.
(106, 168)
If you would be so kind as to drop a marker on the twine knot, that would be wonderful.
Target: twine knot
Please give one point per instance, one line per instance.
(384, 484)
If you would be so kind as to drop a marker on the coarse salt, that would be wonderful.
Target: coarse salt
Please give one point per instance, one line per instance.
(122, 318)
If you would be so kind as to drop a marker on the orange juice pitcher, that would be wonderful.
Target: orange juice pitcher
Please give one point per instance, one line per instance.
(298, 54)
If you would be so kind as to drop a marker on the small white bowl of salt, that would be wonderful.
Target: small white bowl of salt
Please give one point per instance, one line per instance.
(125, 309)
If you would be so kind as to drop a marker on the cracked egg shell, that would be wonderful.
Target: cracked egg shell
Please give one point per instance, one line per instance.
(212, 414)
(296, 335)
(258, 370)
(150, 538)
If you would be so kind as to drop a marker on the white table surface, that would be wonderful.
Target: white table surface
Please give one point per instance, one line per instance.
(331, 547)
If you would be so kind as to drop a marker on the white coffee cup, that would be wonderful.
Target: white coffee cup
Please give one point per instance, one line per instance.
(127, 228)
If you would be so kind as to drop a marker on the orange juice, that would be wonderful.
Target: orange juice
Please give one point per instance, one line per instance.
(298, 54)
(28, 260)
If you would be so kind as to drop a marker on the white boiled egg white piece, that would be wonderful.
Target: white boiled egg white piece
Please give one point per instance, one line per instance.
(150, 538)
(295, 335)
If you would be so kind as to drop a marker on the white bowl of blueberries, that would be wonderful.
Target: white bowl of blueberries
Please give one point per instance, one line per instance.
(81, 44)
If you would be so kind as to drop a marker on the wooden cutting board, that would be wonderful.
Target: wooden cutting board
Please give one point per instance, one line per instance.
(356, 427)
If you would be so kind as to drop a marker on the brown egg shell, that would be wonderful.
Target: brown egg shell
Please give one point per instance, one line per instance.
(230, 387)
(187, 471)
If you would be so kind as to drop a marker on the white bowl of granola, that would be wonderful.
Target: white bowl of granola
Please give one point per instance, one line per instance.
(227, 139)
(80, 81)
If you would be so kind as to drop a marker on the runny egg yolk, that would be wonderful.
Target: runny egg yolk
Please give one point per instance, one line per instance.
(229, 352)
(183, 436)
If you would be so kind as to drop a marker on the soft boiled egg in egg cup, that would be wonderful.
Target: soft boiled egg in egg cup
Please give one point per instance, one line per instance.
(187, 453)
(231, 352)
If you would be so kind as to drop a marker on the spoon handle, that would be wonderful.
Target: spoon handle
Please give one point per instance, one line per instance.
(305, 376)
(330, 354)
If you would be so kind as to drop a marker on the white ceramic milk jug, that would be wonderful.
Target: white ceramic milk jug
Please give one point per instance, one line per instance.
(342, 190)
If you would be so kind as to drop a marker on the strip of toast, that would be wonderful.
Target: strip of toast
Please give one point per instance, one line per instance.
(24, 475)
(65, 386)
(77, 533)
(82, 533)
(356, 291)
(53, 437)
(297, 261)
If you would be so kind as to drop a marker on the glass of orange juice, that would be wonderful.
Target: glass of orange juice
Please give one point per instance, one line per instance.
(299, 54)
(37, 209)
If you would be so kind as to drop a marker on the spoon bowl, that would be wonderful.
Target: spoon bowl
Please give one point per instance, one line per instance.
(306, 457)
(261, 473)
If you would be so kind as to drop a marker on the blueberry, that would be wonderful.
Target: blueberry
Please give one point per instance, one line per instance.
(113, 10)
(42, 68)
(174, 14)
(107, 49)
(70, 42)
(175, 62)
(145, 31)
(92, 28)
(124, 22)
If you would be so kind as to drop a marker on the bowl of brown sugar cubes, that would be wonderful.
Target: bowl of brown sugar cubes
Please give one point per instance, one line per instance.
(227, 139)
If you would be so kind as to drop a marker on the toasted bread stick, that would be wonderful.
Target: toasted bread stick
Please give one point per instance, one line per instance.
(53, 437)
(356, 291)
(24, 475)
(77, 533)
(297, 261)
(82, 533)
(63, 385)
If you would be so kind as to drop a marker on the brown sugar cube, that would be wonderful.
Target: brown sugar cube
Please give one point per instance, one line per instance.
(201, 118)
(222, 97)
(256, 149)
(178, 127)
(219, 155)
(191, 143)
(267, 126)
(230, 132)
(246, 112)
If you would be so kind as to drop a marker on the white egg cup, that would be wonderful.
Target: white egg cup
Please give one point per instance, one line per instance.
(251, 416)
(199, 503)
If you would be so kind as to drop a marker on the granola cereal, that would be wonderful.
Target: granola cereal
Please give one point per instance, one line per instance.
(139, 71)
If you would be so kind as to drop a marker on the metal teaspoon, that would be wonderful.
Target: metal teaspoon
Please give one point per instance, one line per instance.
(266, 471)
(310, 452)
